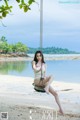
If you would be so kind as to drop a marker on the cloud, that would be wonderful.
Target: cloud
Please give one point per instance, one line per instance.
(61, 24)
(54, 12)
(61, 13)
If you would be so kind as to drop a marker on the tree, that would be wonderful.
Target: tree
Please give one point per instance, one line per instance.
(3, 39)
(12, 48)
(20, 47)
(6, 9)
(4, 47)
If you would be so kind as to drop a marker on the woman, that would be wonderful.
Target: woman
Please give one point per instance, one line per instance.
(39, 67)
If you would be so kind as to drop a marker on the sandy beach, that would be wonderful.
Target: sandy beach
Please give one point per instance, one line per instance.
(22, 102)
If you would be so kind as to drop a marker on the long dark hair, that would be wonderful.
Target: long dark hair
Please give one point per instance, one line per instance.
(35, 58)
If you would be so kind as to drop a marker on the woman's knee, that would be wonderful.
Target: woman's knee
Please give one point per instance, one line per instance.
(51, 77)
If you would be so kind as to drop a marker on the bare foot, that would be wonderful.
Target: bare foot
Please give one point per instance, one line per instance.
(61, 111)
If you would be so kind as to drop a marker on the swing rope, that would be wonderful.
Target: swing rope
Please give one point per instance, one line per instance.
(41, 29)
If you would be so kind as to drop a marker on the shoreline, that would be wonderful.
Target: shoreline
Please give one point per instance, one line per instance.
(17, 96)
(63, 57)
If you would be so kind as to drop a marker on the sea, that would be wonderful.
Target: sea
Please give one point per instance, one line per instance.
(62, 70)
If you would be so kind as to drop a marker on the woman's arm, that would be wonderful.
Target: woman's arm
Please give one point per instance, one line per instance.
(37, 69)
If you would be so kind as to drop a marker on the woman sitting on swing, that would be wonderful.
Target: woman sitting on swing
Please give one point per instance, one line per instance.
(39, 67)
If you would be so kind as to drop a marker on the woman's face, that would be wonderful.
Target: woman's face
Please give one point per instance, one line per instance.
(39, 56)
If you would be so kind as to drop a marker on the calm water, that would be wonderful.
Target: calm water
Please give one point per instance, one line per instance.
(62, 70)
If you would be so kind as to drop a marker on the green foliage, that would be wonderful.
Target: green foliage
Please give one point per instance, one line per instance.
(6, 9)
(52, 50)
(31, 1)
(12, 48)
(24, 6)
(20, 47)
(3, 39)
(18, 1)
(4, 47)
(3, 44)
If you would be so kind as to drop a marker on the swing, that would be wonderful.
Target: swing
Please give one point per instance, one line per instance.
(40, 88)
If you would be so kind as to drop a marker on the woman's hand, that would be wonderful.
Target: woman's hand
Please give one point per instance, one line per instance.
(37, 69)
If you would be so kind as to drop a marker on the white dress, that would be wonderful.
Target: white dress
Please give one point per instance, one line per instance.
(37, 73)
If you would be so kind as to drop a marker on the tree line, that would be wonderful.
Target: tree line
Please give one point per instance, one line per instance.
(19, 47)
(52, 50)
(5, 47)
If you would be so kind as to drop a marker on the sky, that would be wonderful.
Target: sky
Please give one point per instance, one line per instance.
(61, 24)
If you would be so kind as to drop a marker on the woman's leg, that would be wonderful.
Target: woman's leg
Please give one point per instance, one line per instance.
(47, 81)
(54, 93)
(47, 84)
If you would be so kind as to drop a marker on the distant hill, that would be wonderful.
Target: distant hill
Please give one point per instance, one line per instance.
(52, 50)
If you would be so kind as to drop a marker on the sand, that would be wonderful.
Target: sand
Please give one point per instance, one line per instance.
(22, 102)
